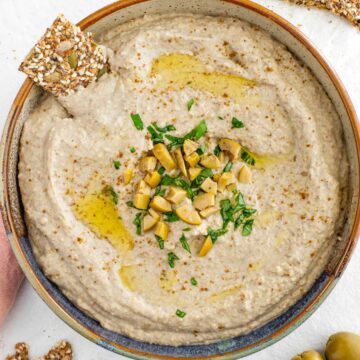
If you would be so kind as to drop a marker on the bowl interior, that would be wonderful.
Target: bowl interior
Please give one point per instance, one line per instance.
(233, 348)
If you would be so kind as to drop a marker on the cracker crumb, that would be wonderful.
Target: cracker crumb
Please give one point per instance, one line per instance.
(64, 59)
(61, 351)
(21, 352)
(350, 9)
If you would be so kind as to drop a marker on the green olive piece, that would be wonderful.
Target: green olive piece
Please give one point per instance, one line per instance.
(309, 355)
(343, 346)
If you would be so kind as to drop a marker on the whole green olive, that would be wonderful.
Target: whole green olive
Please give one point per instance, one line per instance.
(309, 355)
(343, 346)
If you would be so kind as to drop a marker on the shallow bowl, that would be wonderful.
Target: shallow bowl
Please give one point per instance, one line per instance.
(234, 348)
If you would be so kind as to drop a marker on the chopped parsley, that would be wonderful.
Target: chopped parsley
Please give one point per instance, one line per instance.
(137, 221)
(228, 166)
(235, 212)
(171, 257)
(220, 117)
(195, 134)
(160, 242)
(165, 128)
(190, 104)
(236, 123)
(137, 121)
(201, 149)
(132, 149)
(247, 157)
(117, 164)
(205, 173)
(159, 191)
(184, 243)
(161, 170)
(217, 150)
(156, 137)
(193, 281)
(247, 227)
(181, 183)
(180, 313)
(109, 190)
(186, 229)
(171, 216)
(130, 204)
(214, 234)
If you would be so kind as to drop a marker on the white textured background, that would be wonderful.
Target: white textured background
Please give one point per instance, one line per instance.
(22, 22)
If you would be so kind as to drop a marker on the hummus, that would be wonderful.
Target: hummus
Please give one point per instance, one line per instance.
(80, 166)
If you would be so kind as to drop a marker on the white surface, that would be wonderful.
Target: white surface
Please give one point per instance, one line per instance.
(21, 24)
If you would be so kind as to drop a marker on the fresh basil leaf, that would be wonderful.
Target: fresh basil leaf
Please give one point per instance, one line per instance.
(161, 170)
(247, 212)
(205, 173)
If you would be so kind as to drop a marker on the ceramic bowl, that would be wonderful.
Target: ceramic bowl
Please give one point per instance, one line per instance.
(227, 349)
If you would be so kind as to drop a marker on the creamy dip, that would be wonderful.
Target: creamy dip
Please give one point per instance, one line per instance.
(180, 70)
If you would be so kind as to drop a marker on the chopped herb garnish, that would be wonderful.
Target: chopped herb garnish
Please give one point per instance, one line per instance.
(194, 134)
(245, 156)
(220, 117)
(137, 121)
(193, 281)
(155, 136)
(205, 173)
(247, 227)
(109, 190)
(180, 313)
(132, 149)
(161, 170)
(137, 221)
(169, 180)
(171, 216)
(159, 191)
(198, 132)
(201, 149)
(171, 257)
(248, 212)
(130, 204)
(236, 123)
(186, 229)
(214, 234)
(228, 166)
(165, 128)
(184, 243)
(217, 150)
(117, 164)
(190, 104)
(160, 242)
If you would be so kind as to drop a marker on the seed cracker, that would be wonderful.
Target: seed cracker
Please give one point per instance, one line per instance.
(350, 9)
(64, 59)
